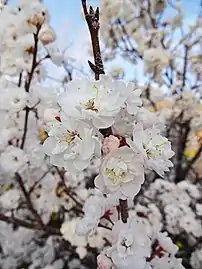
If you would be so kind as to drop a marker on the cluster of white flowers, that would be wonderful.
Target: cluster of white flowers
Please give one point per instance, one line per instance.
(88, 109)
(176, 202)
(88, 106)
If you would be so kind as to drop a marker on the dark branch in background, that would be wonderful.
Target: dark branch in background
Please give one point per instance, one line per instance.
(192, 161)
(185, 67)
(28, 83)
(28, 200)
(20, 80)
(148, 96)
(38, 181)
(67, 190)
(182, 139)
(185, 171)
(186, 253)
(37, 224)
(169, 76)
(29, 225)
(173, 124)
(127, 39)
(69, 193)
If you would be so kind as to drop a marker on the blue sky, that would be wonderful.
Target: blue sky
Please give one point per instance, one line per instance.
(72, 29)
(63, 10)
(70, 10)
(66, 16)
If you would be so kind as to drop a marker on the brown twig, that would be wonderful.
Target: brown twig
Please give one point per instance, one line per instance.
(33, 226)
(28, 83)
(38, 181)
(20, 79)
(182, 139)
(185, 67)
(189, 166)
(148, 96)
(92, 19)
(103, 226)
(192, 161)
(123, 210)
(28, 200)
(66, 190)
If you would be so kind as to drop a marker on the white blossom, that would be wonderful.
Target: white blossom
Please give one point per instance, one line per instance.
(13, 99)
(10, 199)
(71, 144)
(121, 173)
(69, 234)
(196, 258)
(47, 35)
(130, 245)
(154, 148)
(95, 101)
(94, 209)
(13, 160)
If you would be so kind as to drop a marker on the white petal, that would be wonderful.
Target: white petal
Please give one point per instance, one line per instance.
(81, 164)
(99, 183)
(49, 145)
(131, 189)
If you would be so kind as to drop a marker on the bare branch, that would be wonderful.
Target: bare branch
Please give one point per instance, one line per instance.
(28, 200)
(33, 226)
(92, 19)
(28, 83)
(185, 67)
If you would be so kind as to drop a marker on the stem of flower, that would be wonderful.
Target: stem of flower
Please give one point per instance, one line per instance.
(123, 210)
(28, 83)
(92, 19)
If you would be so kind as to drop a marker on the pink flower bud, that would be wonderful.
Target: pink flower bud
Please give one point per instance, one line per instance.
(103, 262)
(37, 19)
(47, 35)
(110, 143)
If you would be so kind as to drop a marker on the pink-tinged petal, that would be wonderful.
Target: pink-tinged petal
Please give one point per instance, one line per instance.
(110, 143)
(103, 262)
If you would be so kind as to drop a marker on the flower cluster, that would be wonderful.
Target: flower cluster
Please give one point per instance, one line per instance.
(87, 109)
(89, 106)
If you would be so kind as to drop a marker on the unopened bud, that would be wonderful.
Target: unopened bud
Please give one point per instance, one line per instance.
(37, 19)
(47, 35)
